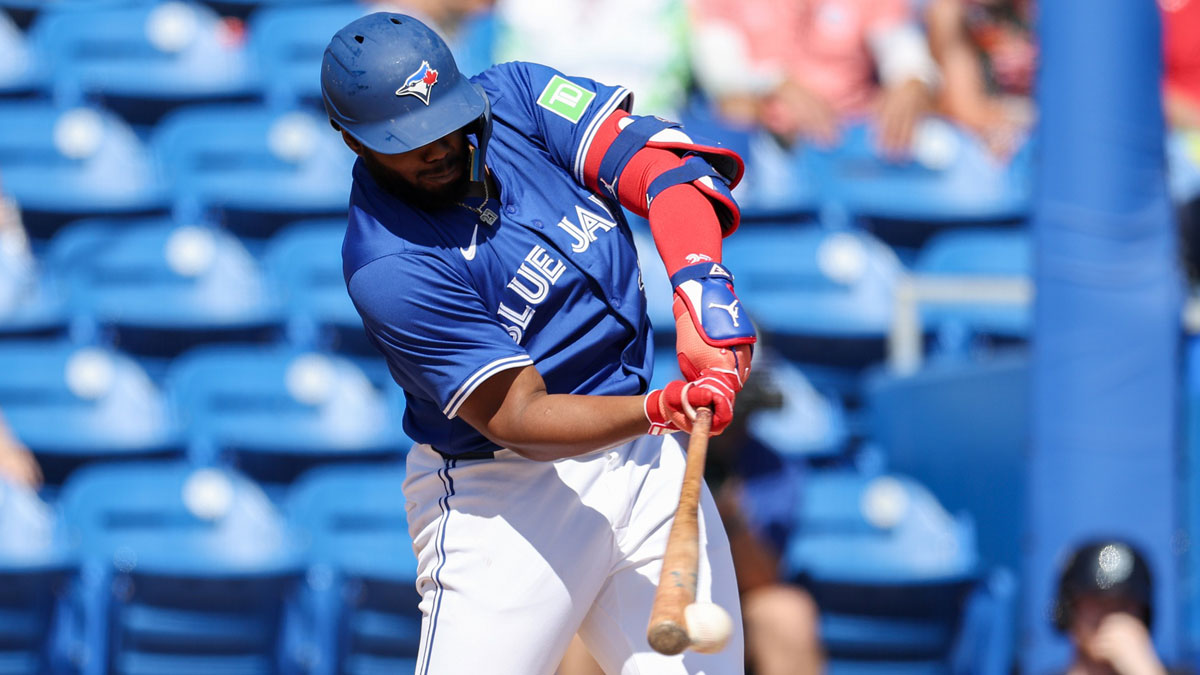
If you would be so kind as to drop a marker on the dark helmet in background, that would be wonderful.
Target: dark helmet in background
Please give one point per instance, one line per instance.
(1104, 568)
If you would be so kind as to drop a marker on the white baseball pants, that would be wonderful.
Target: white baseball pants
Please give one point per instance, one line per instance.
(516, 556)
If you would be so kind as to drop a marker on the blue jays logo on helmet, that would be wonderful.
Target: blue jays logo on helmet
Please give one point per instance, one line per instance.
(420, 83)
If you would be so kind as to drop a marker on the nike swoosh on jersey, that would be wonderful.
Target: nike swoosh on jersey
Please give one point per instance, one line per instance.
(469, 252)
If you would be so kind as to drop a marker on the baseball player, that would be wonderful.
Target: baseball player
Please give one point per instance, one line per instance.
(490, 261)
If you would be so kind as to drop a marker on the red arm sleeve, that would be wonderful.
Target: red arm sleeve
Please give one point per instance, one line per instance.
(684, 224)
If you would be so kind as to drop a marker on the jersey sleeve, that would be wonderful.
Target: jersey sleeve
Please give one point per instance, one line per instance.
(432, 327)
(562, 112)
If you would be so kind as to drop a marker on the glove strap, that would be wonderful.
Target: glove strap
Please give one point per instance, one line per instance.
(652, 406)
(706, 289)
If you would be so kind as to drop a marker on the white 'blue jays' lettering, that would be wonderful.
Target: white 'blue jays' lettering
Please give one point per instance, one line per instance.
(536, 274)
(585, 232)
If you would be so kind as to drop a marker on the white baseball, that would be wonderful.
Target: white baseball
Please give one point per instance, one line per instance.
(708, 625)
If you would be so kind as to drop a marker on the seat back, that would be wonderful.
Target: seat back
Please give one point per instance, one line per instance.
(277, 411)
(822, 296)
(144, 58)
(289, 39)
(980, 255)
(62, 163)
(185, 569)
(355, 519)
(165, 286)
(35, 563)
(304, 263)
(258, 166)
(950, 177)
(888, 567)
(73, 405)
(20, 74)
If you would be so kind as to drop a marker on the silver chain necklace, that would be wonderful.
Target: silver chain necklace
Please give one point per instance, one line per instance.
(486, 215)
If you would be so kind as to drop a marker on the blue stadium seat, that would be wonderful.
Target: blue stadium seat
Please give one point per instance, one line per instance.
(960, 427)
(984, 253)
(304, 262)
(275, 411)
(20, 69)
(894, 576)
(257, 168)
(808, 424)
(35, 563)
(29, 307)
(951, 178)
(823, 298)
(361, 584)
(143, 59)
(36, 313)
(74, 405)
(858, 528)
(289, 39)
(162, 287)
(62, 163)
(184, 570)
(253, 8)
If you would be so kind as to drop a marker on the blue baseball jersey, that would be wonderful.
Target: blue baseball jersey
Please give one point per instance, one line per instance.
(553, 283)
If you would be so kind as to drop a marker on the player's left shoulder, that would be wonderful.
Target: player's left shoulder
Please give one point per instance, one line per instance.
(507, 80)
(547, 92)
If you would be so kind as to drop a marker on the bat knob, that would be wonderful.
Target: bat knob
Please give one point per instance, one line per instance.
(668, 637)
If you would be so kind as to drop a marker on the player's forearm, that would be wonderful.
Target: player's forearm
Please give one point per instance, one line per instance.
(554, 426)
(513, 410)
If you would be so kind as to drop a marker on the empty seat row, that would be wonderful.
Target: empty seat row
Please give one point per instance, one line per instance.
(274, 411)
(157, 567)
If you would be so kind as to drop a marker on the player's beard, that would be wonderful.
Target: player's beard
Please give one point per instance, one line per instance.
(421, 197)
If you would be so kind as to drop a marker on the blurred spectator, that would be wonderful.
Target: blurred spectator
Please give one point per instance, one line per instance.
(801, 68)
(756, 492)
(987, 56)
(1181, 65)
(641, 44)
(1181, 103)
(16, 277)
(16, 462)
(1105, 607)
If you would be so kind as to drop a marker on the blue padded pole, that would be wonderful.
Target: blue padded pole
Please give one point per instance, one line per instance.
(1107, 313)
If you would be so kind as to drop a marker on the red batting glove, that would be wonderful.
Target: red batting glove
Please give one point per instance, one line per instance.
(711, 330)
(672, 408)
(696, 355)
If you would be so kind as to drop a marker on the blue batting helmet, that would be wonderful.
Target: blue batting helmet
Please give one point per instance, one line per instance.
(391, 82)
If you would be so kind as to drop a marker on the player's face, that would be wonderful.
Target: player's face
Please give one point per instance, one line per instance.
(431, 176)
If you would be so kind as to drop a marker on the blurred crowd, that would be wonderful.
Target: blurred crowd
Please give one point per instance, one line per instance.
(799, 69)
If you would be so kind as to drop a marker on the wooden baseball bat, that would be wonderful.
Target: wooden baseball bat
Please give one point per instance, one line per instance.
(667, 632)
